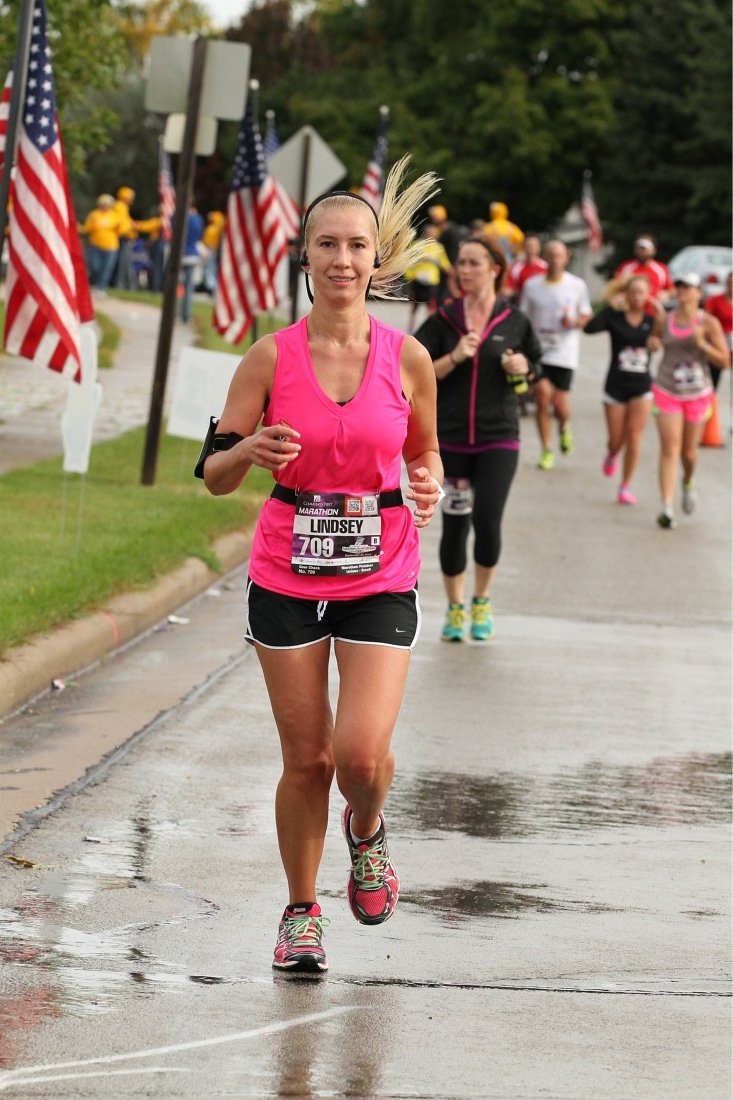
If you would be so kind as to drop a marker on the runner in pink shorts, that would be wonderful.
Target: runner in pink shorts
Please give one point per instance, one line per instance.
(691, 340)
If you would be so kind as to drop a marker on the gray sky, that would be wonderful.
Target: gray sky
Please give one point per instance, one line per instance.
(225, 12)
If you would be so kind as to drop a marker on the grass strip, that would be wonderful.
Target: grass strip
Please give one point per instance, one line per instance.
(68, 542)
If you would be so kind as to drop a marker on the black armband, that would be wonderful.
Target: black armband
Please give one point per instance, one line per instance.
(214, 442)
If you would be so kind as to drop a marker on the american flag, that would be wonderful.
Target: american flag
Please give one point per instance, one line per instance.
(166, 193)
(371, 188)
(590, 214)
(5, 114)
(254, 242)
(47, 293)
(271, 142)
(289, 214)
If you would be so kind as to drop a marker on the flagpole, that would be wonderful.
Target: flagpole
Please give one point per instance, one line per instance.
(20, 75)
(254, 101)
(187, 165)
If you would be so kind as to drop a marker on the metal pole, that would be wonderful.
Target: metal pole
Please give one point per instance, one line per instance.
(295, 260)
(20, 75)
(254, 98)
(187, 162)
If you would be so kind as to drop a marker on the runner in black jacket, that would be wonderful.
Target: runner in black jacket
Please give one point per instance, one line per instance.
(483, 350)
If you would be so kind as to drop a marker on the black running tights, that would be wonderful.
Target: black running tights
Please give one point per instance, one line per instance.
(491, 474)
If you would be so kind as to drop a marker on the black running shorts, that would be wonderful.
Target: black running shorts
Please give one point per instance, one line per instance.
(560, 377)
(287, 622)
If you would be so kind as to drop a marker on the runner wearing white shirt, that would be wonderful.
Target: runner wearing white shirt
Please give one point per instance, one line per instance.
(558, 304)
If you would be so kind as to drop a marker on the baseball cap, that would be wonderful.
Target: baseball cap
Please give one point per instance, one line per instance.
(690, 279)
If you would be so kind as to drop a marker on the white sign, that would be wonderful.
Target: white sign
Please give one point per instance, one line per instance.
(206, 129)
(225, 82)
(200, 391)
(82, 403)
(306, 152)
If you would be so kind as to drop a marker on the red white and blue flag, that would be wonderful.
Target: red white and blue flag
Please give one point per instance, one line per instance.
(373, 182)
(590, 214)
(166, 193)
(289, 214)
(47, 291)
(254, 242)
(5, 114)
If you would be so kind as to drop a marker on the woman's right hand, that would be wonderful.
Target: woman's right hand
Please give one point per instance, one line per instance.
(466, 348)
(272, 448)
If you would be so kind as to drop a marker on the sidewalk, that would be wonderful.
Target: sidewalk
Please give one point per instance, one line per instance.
(33, 398)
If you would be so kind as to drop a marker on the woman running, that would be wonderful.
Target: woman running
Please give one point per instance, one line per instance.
(483, 351)
(691, 340)
(336, 556)
(628, 387)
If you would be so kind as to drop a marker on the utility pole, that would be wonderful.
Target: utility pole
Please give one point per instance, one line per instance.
(186, 166)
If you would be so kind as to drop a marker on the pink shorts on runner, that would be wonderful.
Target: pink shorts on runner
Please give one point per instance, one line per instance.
(695, 410)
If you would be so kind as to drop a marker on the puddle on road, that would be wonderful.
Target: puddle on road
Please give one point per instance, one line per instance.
(692, 789)
(495, 899)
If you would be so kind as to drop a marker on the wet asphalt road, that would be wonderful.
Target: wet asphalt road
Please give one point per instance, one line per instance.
(560, 820)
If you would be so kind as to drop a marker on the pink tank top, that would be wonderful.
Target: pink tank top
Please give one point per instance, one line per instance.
(354, 448)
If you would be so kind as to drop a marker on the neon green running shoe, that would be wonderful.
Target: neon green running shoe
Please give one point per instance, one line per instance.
(482, 619)
(454, 628)
(567, 443)
(547, 461)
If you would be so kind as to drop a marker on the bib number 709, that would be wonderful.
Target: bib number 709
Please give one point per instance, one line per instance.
(316, 547)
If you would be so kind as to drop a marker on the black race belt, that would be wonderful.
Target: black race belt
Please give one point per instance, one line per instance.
(391, 499)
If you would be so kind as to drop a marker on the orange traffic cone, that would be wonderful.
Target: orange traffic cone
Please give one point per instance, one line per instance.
(712, 436)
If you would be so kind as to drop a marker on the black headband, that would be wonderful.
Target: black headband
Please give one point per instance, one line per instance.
(338, 194)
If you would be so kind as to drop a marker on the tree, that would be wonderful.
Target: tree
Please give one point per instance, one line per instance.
(89, 55)
(667, 168)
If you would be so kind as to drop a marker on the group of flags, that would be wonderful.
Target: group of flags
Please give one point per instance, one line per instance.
(47, 291)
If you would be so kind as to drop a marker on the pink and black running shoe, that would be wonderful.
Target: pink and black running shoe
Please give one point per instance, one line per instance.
(373, 883)
(299, 947)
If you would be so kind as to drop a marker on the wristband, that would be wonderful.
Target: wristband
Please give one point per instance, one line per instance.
(441, 490)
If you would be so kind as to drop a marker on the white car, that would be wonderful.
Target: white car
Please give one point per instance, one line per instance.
(713, 263)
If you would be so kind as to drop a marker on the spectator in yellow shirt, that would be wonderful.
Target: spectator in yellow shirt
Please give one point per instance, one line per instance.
(501, 231)
(101, 229)
(124, 277)
(213, 232)
(425, 278)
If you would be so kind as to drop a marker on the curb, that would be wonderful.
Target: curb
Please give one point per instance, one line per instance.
(28, 670)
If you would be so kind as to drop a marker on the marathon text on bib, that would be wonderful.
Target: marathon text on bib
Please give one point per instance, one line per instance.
(335, 534)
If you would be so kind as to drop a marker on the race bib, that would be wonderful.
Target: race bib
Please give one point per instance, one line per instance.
(336, 535)
(688, 377)
(549, 339)
(458, 496)
(635, 360)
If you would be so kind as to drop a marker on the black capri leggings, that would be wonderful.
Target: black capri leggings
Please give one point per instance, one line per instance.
(490, 474)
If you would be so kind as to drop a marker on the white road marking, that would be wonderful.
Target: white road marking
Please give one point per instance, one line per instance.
(21, 1075)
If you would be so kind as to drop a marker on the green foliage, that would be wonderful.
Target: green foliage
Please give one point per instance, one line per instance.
(88, 54)
(70, 542)
(667, 169)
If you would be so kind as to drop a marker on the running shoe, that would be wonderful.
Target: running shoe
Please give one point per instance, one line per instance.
(567, 443)
(299, 948)
(625, 496)
(482, 619)
(373, 883)
(454, 627)
(666, 521)
(547, 460)
(689, 497)
(610, 465)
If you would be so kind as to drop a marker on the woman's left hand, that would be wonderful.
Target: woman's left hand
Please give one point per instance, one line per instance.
(427, 492)
(514, 362)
